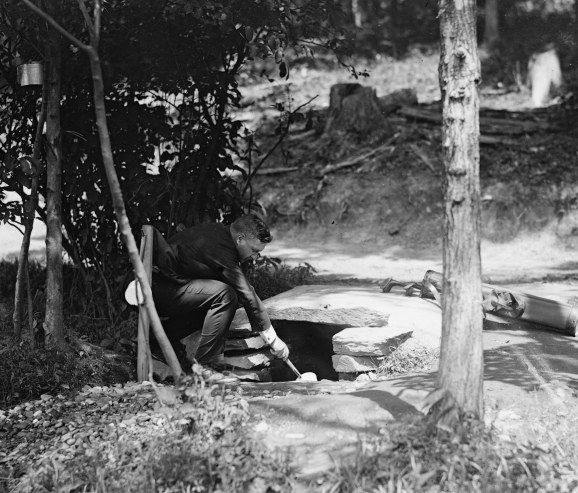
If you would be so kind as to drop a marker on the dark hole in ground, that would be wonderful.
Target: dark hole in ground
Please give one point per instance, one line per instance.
(311, 349)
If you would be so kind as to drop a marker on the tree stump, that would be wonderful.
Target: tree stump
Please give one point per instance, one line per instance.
(355, 108)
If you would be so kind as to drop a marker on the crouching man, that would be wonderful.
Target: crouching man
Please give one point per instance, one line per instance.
(198, 282)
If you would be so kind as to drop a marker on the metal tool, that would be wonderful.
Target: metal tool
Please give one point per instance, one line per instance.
(305, 377)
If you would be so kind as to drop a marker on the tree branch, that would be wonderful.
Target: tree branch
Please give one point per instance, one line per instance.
(87, 18)
(97, 16)
(73, 39)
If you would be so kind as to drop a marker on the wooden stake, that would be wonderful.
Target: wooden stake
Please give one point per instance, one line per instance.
(144, 363)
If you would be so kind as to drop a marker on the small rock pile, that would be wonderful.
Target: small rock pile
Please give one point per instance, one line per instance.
(66, 426)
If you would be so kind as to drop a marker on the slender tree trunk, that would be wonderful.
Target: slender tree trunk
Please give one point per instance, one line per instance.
(575, 51)
(359, 12)
(461, 360)
(54, 324)
(491, 24)
(29, 210)
(120, 211)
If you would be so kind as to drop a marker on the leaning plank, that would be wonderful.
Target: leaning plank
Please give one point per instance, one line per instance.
(143, 349)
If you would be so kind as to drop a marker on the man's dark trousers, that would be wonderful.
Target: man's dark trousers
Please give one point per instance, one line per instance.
(199, 303)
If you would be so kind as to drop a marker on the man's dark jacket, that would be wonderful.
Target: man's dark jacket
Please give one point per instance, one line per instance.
(208, 251)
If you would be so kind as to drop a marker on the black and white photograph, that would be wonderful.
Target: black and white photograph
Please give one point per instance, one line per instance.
(288, 246)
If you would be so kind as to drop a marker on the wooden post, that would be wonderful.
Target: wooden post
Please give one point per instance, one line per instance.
(144, 363)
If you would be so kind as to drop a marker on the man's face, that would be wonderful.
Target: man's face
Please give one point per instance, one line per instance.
(249, 247)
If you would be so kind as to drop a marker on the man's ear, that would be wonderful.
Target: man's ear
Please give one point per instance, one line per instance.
(240, 237)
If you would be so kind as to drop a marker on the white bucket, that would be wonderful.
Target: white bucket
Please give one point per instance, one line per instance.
(30, 74)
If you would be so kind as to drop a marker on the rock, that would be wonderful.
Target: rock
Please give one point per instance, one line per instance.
(243, 344)
(344, 363)
(369, 341)
(248, 361)
(341, 306)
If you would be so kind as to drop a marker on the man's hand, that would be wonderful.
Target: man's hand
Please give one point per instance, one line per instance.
(278, 347)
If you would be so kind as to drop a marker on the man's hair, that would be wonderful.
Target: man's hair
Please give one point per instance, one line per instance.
(253, 226)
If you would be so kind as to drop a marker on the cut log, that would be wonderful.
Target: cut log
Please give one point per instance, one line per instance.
(369, 341)
(355, 108)
(345, 363)
(488, 125)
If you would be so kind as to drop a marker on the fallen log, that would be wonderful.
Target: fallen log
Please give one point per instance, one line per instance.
(277, 171)
(562, 317)
(488, 125)
(331, 168)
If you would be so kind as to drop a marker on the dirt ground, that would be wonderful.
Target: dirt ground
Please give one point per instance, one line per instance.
(383, 217)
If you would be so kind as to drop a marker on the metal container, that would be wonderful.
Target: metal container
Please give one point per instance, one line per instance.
(30, 74)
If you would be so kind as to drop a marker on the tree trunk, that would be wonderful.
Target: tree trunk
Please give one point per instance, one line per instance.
(461, 360)
(355, 108)
(358, 12)
(575, 51)
(111, 176)
(29, 210)
(54, 324)
(491, 24)
(121, 216)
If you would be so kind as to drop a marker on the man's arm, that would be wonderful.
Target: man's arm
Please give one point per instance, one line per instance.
(255, 309)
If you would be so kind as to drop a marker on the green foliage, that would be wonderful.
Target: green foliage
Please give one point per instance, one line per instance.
(270, 277)
(27, 373)
(412, 455)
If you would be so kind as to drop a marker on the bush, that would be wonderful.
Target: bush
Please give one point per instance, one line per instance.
(27, 373)
(412, 455)
(270, 277)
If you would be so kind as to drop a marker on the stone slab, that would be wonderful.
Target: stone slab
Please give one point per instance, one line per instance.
(352, 306)
(345, 363)
(325, 304)
(249, 361)
(244, 344)
(369, 341)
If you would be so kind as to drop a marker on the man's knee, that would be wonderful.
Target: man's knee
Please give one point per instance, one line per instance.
(226, 294)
